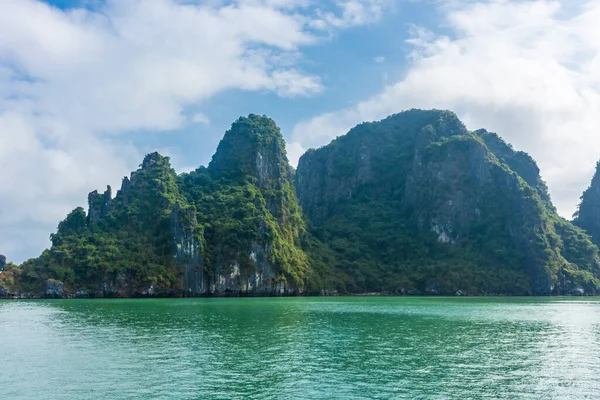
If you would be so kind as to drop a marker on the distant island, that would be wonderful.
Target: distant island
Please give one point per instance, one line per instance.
(413, 204)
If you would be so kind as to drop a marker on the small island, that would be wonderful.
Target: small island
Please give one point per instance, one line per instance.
(413, 204)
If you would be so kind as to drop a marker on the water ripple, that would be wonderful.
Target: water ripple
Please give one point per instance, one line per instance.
(301, 348)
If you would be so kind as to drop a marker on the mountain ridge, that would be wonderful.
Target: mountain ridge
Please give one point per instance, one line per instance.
(412, 204)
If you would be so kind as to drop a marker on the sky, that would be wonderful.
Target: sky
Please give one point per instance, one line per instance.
(88, 87)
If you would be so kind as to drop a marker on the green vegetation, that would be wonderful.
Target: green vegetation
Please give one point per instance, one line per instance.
(246, 196)
(588, 213)
(414, 203)
(417, 203)
(124, 246)
(126, 250)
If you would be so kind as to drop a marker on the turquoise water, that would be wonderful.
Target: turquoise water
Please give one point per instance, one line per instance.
(301, 348)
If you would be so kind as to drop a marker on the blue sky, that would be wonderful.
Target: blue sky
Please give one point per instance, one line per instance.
(87, 87)
(351, 69)
(353, 64)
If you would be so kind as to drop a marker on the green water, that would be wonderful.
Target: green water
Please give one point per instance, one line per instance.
(301, 348)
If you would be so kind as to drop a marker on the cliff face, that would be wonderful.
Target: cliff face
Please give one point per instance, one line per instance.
(588, 214)
(99, 204)
(249, 213)
(416, 202)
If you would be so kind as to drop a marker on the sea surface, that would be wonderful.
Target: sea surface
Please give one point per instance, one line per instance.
(301, 348)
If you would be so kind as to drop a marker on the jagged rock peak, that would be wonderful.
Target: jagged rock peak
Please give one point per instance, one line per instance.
(254, 146)
(154, 159)
(125, 184)
(154, 165)
(99, 204)
(2, 262)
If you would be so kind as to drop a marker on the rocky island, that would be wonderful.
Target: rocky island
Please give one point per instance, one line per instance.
(412, 204)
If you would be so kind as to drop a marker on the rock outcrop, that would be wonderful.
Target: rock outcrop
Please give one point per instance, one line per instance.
(54, 289)
(432, 205)
(251, 180)
(230, 229)
(99, 204)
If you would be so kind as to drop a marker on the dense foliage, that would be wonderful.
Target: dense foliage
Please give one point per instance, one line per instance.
(588, 213)
(124, 246)
(128, 248)
(246, 195)
(414, 203)
(417, 203)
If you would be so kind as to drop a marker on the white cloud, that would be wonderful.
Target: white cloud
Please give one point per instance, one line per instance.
(294, 152)
(290, 83)
(45, 170)
(527, 70)
(379, 59)
(354, 12)
(200, 118)
(71, 80)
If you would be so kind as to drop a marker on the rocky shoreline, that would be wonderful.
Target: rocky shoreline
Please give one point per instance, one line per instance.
(55, 290)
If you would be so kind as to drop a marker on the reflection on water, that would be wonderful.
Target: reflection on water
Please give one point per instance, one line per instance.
(301, 348)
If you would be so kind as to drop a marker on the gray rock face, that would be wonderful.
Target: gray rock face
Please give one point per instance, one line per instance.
(588, 215)
(124, 191)
(261, 279)
(257, 278)
(371, 157)
(54, 289)
(119, 287)
(99, 204)
(2, 262)
(187, 250)
(272, 170)
(473, 187)
(321, 181)
(449, 213)
(270, 165)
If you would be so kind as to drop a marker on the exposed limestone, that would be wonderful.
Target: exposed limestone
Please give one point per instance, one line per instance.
(54, 289)
(188, 250)
(588, 214)
(99, 204)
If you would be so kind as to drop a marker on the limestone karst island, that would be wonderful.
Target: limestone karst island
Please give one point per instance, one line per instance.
(413, 204)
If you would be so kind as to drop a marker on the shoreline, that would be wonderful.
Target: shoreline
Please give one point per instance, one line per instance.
(28, 296)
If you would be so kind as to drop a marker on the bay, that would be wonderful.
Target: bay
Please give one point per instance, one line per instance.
(301, 348)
